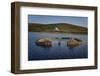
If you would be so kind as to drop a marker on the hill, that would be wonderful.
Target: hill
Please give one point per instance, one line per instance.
(58, 27)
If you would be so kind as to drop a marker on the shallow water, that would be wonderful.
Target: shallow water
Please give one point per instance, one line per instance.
(56, 51)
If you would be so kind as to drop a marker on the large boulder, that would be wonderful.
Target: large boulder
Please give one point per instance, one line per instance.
(46, 42)
(73, 43)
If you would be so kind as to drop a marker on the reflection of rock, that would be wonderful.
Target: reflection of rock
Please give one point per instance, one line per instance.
(74, 42)
(45, 42)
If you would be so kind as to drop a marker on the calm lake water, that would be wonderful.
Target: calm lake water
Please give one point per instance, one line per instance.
(55, 52)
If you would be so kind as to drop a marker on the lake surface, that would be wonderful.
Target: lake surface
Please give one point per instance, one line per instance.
(56, 51)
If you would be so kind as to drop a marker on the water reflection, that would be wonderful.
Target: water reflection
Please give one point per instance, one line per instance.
(59, 48)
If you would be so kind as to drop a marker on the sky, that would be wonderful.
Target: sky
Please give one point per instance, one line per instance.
(43, 19)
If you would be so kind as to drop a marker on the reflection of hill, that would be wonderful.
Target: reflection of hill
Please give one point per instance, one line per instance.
(63, 28)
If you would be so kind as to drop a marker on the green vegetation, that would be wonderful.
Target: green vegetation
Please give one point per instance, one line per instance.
(61, 28)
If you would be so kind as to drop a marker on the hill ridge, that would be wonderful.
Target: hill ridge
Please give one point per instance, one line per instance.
(63, 27)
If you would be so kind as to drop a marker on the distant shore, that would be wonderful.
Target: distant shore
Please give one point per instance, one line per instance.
(61, 28)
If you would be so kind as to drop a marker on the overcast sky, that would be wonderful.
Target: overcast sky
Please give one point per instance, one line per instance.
(81, 21)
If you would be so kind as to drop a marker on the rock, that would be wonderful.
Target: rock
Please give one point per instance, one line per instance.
(44, 42)
(65, 38)
(77, 39)
(73, 43)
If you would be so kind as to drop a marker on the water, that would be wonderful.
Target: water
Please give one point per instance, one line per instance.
(56, 51)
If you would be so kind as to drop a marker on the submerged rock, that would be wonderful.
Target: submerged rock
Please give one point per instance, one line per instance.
(45, 42)
(77, 39)
(65, 38)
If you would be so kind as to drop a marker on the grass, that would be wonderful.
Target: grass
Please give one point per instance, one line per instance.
(50, 28)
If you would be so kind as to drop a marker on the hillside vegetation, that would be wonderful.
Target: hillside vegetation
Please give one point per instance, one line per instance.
(63, 28)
